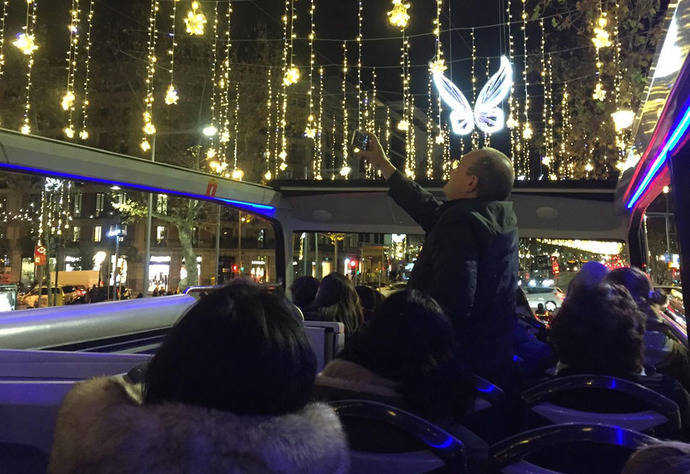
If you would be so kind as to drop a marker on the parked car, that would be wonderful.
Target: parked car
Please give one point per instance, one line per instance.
(31, 299)
(73, 292)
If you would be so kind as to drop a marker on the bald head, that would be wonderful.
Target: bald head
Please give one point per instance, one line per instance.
(494, 171)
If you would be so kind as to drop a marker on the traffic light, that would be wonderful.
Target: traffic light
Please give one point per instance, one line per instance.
(234, 268)
(353, 263)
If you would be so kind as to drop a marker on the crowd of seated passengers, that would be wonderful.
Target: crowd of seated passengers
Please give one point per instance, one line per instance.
(600, 330)
(228, 391)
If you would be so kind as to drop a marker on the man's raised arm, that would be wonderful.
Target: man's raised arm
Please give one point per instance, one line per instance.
(420, 204)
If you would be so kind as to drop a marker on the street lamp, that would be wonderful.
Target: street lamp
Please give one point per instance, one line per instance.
(210, 131)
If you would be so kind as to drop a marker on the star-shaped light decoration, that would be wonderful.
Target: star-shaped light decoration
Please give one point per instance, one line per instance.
(237, 174)
(599, 92)
(438, 66)
(67, 100)
(68, 131)
(398, 15)
(171, 96)
(25, 43)
(403, 125)
(292, 76)
(527, 132)
(195, 20)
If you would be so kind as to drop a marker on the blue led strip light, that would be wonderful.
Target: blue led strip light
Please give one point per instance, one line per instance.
(677, 134)
(260, 208)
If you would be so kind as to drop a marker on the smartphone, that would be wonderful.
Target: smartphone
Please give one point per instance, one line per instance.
(359, 142)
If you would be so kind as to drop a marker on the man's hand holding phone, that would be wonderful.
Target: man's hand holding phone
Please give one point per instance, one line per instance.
(373, 153)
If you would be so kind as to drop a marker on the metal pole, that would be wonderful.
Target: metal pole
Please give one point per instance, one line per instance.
(147, 253)
(668, 238)
(115, 268)
(317, 269)
(239, 242)
(218, 248)
(335, 254)
(306, 252)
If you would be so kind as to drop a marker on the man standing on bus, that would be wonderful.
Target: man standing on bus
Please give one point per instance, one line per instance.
(469, 260)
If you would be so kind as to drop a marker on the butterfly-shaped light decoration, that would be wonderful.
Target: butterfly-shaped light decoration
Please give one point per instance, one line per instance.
(488, 117)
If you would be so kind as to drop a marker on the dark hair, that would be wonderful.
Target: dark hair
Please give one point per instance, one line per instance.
(338, 301)
(495, 173)
(239, 349)
(669, 457)
(634, 280)
(600, 330)
(304, 290)
(369, 298)
(411, 341)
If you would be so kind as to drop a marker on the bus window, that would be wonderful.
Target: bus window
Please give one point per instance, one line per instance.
(76, 242)
(663, 254)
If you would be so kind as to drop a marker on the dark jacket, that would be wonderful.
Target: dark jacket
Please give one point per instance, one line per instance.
(469, 264)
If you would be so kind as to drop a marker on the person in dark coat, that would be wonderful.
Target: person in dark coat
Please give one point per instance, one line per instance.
(469, 260)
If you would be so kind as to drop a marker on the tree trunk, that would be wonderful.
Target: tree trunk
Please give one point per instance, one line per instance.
(189, 255)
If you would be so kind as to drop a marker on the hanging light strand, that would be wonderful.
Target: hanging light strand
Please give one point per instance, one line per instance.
(527, 130)
(171, 94)
(475, 134)
(441, 62)
(566, 157)
(237, 172)
(318, 162)
(269, 124)
(333, 147)
(513, 122)
(547, 158)
(281, 159)
(359, 64)
(83, 132)
(346, 124)
(211, 152)
(69, 97)
(29, 32)
(371, 125)
(3, 17)
(487, 68)
(429, 130)
(224, 87)
(149, 128)
(311, 128)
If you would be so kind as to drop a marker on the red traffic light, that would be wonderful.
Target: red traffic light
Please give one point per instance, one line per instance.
(353, 263)
(234, 268)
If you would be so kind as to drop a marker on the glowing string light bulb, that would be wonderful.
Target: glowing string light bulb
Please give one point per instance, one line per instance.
(83, 132)
(398, 15)
(171, 94)
(195, 21)
(28, 49)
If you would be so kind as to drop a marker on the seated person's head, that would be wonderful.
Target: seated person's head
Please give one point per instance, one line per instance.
(589, 276)
(411, 341)
(338, 301)
(304, 290)
(369, 298)
(636, 282)
(239, 349)
(666, 457)
(600, 330)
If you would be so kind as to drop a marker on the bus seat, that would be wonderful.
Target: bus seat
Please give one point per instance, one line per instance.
(326, 338)
(56, 365)
(662, 417)
(385, 439)
(22, 459)
(28, 411)
(569, 447)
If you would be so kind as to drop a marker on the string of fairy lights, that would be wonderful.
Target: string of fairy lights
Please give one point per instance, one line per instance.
(149, 128)
(84, 132)
(69, 97)
(3, 19)
(221, 150)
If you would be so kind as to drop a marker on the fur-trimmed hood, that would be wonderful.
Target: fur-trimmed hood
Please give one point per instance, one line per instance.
(103, 428)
